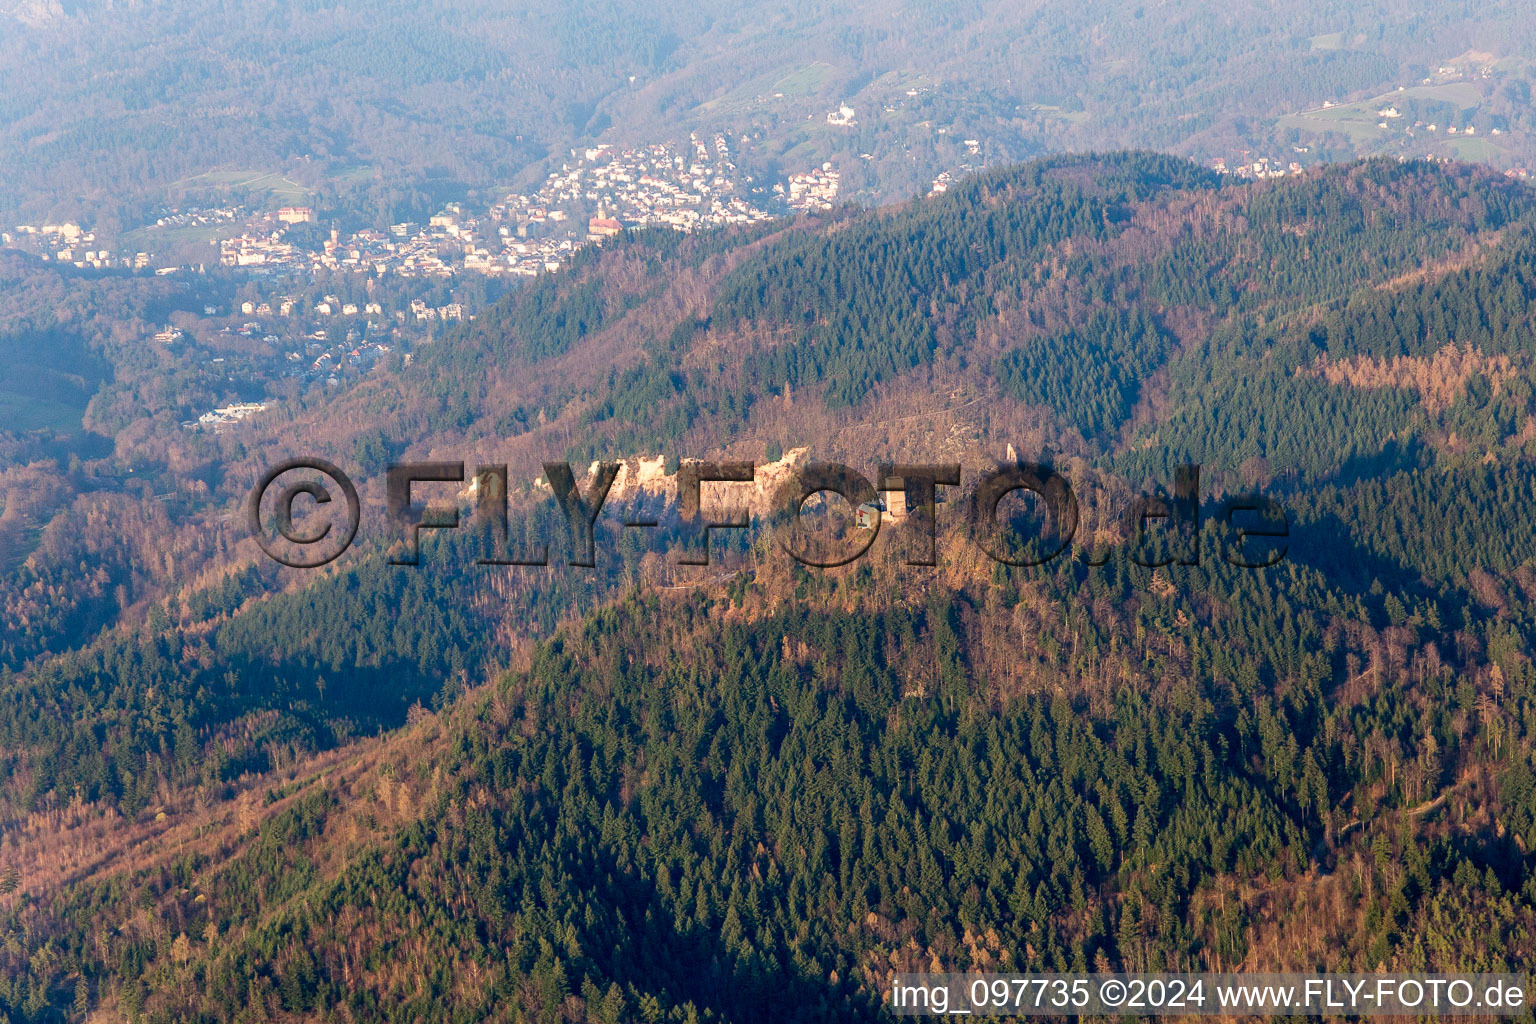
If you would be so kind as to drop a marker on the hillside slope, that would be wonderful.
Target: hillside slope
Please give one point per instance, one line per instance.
(749, 791)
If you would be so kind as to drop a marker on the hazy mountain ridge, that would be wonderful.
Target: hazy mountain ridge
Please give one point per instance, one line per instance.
(390, 109)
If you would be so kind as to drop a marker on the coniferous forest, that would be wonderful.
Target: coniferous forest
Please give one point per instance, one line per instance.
(750, 791)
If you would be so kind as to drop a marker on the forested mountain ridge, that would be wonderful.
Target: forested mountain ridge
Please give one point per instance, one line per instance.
(748, 791)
